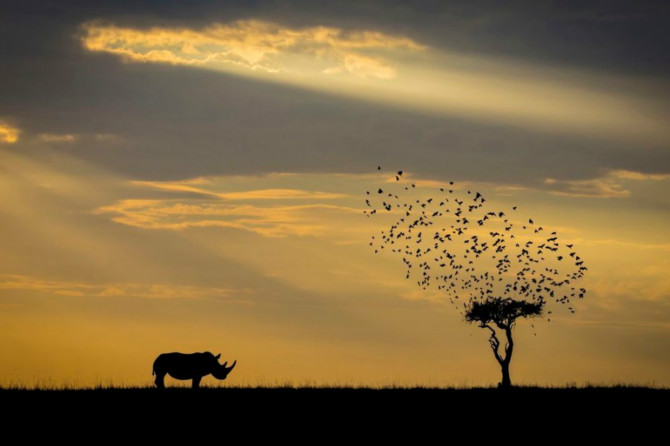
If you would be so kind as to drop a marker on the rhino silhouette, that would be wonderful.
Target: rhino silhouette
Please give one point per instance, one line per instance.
(191, 366)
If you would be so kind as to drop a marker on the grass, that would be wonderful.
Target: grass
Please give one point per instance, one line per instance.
(421, 411)
(313, 385)
(103, 386)
(370, 395)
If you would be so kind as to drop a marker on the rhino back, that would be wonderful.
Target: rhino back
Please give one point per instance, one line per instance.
(185, 365)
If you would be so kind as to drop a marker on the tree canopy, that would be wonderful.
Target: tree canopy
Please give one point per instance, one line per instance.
(502, 312)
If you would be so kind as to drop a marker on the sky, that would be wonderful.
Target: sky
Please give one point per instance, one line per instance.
(191, 176)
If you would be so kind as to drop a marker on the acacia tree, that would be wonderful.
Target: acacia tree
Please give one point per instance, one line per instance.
(495, 267)
(502, 313)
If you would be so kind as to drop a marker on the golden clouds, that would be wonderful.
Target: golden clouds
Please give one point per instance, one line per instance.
(255, 45)
(205, 202)
(259, 194)
(606, 187)
(285, 205)
(269, 221)
(638, 176)
(280, 194)
(57, 137)
(9, 134)
(400, 72)
(86, 289)
(611, 185)
(367, 67)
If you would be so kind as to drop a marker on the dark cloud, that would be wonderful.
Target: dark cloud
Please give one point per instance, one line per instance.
(178, 122)
(620, 35)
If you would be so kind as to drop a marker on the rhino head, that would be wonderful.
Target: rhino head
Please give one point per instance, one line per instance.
(220, 371)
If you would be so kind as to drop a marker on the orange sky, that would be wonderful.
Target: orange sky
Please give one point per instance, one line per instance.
(100, 274)
(200, 185)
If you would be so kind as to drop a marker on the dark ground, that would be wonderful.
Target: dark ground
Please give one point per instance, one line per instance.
(425, 414)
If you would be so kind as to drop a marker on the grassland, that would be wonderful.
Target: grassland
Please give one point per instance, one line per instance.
(622, 408)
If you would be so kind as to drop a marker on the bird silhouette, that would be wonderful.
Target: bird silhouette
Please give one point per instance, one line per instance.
(473, 257)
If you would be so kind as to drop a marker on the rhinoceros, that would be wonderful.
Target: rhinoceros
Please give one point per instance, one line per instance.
(189, 366)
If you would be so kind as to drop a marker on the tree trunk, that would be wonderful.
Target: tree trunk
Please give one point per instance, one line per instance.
(504, 364)
(506, 381)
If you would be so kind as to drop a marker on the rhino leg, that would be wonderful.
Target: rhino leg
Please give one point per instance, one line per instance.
(196, 382)
(160, 380)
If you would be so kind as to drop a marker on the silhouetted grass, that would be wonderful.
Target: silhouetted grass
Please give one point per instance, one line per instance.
(343, 409)
(329, 387)
(573, 389)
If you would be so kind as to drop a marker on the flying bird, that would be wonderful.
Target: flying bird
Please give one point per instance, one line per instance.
(473, 257)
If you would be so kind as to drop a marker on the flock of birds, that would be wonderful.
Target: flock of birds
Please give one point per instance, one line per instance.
(452, 240)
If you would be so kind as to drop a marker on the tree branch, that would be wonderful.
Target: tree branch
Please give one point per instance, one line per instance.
(495, 343)
(509, 346)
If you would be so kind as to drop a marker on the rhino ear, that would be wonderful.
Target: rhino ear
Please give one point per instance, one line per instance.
(217, 356)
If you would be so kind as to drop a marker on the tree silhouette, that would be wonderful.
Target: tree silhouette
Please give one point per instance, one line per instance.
(502, 313)
(494, 266)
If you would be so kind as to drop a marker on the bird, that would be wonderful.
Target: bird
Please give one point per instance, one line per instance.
(486, 266)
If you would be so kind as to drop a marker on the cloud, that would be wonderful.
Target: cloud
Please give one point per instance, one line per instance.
(271, 221)
(253, 44)
(638, 176)
(625, 244)
(180, 186)
(597, 188)
(82, 289)
(9, 134)
(648, 283)
(290, 208)
(188, 186)
(367, 67)
(610, 185)
(57, 138)
(280, 194)
(108, 138)
(500, 188)
(399, 71)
